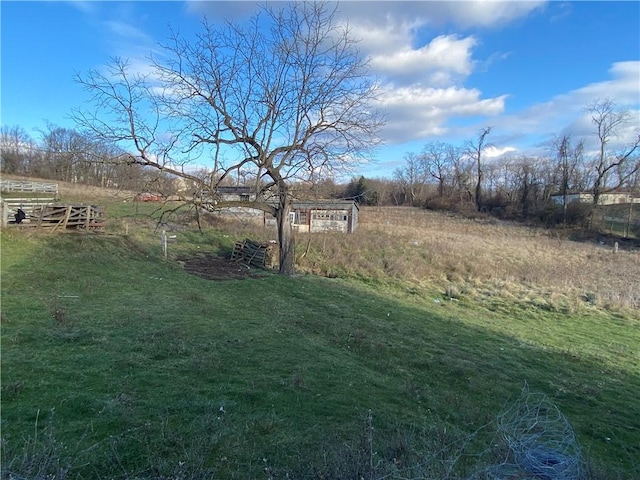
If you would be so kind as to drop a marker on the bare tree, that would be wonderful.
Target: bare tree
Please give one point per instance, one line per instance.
(382, 188)
(462, 174)
(65, 152)
(413, 177)
(15, 149)
(611, 166)
(438, 159)
(569, 157)
(527, 182)
(281, 99)
(474, 150)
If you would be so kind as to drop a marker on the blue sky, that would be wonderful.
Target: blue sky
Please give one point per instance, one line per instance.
(527, 69)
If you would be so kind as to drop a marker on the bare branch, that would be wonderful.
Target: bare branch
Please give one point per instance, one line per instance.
(281, 98)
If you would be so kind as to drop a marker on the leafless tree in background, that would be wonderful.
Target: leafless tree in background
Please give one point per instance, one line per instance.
(612, 168)
(527, 183)
(569, 158)
(15, 150)
(438, 158)
(474, 150)
(412, 177)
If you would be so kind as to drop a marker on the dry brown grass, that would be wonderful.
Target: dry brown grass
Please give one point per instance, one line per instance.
(458, 256)
(69, 192)
(478, 258)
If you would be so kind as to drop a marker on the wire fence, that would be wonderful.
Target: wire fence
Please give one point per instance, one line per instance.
(541, 443)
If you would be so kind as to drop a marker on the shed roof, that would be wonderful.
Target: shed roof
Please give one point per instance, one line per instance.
(235, 190)
(325, 204)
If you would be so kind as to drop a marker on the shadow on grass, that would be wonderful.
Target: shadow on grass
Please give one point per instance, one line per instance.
(156, 373)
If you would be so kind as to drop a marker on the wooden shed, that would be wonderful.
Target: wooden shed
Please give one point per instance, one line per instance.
(235, 194)
(322, 216)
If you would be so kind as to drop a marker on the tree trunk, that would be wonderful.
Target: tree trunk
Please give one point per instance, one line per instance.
(525, 199)
(596, 192)
(478, 192)
(286, 240)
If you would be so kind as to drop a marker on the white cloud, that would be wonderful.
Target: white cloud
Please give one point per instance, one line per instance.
(130, 42)
(415, 113)
(464, 14)
(383, 38)
(443, 61)
(488, 13)
(566, 113)
(494, 152)
(624, 86)
(531, 130)
(476, 13)
(127, 32)
(424, 93)
(423, 82)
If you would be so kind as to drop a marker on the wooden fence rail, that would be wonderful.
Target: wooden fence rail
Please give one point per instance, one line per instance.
(25, 186)
(52, 216)
(30, 206)
(71, 216)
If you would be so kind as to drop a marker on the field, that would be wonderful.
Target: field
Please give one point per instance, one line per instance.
(390, 355)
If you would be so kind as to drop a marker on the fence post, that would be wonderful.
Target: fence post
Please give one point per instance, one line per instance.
(164, 243)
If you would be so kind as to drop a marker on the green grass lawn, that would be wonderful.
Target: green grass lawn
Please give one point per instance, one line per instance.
(117, 364)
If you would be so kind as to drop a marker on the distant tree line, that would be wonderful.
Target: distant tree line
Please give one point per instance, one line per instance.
(67, 155)
(459, 178)
(441, 176)
(450, 176)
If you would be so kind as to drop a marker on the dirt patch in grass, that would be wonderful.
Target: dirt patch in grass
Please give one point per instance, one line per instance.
(208, 266)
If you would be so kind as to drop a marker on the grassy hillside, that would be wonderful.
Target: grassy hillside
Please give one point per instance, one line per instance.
(118, 364)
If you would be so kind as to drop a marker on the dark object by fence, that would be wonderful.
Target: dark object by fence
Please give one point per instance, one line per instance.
(28, 206)
(20, 216)
(253, 253)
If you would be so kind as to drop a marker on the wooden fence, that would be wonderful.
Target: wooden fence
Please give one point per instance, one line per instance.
(26, 186)
(54, 217)
(29, 205)
(27, 196)
(71, 216)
